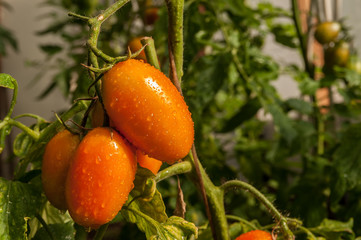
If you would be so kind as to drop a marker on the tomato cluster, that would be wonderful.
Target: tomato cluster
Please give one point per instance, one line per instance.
(92, 177)
(337, 49)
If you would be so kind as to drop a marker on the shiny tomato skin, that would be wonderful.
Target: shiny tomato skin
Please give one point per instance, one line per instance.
(135, 45)
(327, 32)
(147, 162)
(100, 177)
(58, 154)
(255, 235)
(148, 110)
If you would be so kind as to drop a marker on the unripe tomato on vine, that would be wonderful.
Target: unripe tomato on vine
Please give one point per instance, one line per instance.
(255, 235)
(147, 162)
(337, 55)
(100, 177)
(148, 110)
(58, 154)
(327, 32)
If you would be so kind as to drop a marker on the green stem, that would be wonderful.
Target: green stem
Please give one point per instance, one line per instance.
(301, 36)
(101, 232)
(215, 198)
(236, 218)
(272, 209)
(150, 52)
(9, 121)
(38, 118)
(13, 100)
(175, 40)
(320, 135)
(175, 169)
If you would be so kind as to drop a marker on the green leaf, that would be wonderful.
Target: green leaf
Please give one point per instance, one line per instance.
(246, 112)
(7, 81)
(348, 155)
(333, 230)
(299, 105)
(155, 207)
(285, 34)
(18, 203)
(150, 216)
(283, 122)
(51, 49)
(58, 231)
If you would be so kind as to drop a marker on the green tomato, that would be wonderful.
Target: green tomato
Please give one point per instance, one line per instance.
(327, 32)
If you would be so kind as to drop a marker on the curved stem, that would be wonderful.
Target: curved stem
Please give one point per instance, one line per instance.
(215, 199)
(175, 169)
(236, 218)
(13, 100)
(273, 210)
(40, 119)
(34, 135)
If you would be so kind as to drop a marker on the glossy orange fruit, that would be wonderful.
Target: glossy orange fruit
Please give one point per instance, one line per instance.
(255, 235)
(56, 160)
(100, 177)
(135, 45)
(148, 110)
(147, 162)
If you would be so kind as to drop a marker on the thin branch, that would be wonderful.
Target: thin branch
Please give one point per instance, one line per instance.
(234, 184)
(175, 169)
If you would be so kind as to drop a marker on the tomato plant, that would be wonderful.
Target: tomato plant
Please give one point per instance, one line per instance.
(100, 177)
(300, 158)
(148, 110)
(57, 157)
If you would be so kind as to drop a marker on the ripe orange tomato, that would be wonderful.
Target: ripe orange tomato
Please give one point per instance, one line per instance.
(56, 160)
(148, 110)
(135, 45)
(255, 235)
(147, 162)
(327, 32)
(100, 177)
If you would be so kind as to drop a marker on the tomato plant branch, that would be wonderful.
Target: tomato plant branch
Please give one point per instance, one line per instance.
(175, 169)
(150, 51)
(13, 100)
(236, 218)
(301, 36)
(273, 210)
(175, 38)
(46, 227)
(33, 134)
(215, 198)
